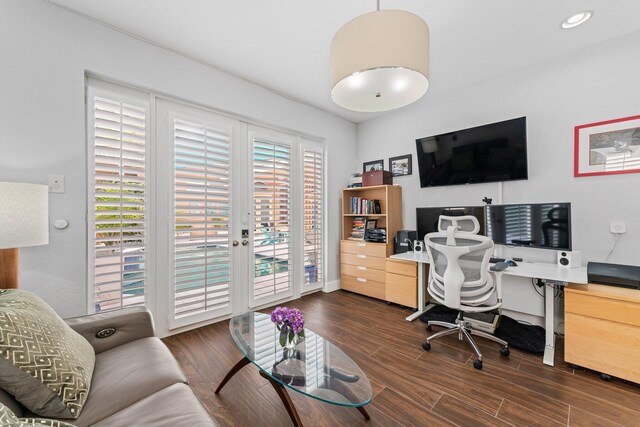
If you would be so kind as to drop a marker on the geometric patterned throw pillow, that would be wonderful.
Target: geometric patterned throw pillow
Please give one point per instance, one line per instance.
(9, 419)
(44, 364)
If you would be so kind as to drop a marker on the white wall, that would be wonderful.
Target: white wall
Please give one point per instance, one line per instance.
(45, 54)
(592, 85)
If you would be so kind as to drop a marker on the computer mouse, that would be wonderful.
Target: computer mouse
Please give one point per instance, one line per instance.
(512, 263)
(499, 266)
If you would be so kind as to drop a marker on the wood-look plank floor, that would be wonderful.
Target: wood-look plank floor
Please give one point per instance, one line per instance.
(411, 387)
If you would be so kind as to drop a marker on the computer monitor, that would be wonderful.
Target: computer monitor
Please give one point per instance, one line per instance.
(534, 225)
(427, 218)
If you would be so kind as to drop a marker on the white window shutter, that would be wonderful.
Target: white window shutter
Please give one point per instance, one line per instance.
(202, 198)
(118, 201)
(313, 214)
(272, 204)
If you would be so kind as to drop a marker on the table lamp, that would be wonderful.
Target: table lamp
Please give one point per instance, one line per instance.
(24, 221)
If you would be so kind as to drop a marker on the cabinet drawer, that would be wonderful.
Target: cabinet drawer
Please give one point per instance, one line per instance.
(362, 271)
(363, 260)
(406, 268)
(614, 310)
(363, 286)
(364, 248)
(609, 347)
(402, 289)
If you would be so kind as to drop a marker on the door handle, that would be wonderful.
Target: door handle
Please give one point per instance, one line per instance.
(236, 243)
(245, 242)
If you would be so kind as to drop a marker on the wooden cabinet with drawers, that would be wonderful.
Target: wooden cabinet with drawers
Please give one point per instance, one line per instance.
(602, 329)
(363, 267)
(402, 282)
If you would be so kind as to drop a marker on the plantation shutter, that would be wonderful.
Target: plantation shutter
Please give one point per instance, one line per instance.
(117, 201)
(313, 209)
(202, 197)
(272, 216)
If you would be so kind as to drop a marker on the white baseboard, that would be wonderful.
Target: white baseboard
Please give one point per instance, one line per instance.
(331, 286)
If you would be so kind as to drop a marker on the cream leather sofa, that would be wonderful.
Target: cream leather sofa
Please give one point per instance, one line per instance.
(136, 380)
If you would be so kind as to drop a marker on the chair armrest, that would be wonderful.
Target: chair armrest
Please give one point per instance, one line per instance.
(130, 324)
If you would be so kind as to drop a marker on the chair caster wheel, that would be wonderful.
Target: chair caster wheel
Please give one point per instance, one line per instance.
(426, 346)
(505, 351)
(605, 377)
(477, 364)
(429, 328)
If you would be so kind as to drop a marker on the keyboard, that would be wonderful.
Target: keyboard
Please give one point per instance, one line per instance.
(493, 260)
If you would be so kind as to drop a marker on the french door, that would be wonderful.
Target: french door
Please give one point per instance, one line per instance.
(272, 246)
(229, 244)
(196, 214)
(196, 155)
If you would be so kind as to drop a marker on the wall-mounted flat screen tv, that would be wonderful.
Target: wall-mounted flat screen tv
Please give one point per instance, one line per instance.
(489, 153)
(537, 225)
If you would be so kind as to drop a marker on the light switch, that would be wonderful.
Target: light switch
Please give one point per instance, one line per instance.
(56, 183)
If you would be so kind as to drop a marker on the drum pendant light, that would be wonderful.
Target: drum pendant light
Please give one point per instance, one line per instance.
(380, 61)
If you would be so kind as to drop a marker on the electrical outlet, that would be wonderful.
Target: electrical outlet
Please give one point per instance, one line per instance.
(618, 227)
(56, 183)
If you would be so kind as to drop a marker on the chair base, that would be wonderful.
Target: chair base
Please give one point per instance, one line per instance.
(464, 331)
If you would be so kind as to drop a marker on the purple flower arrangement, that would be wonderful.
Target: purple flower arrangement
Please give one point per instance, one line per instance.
(290, 323)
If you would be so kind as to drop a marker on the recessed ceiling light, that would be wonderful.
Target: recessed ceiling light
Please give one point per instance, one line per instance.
(577, 19)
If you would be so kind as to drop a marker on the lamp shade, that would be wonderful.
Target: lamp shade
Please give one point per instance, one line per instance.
(380, 61)
(24, 215)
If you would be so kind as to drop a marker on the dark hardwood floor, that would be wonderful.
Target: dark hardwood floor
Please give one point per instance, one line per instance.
(411, 387)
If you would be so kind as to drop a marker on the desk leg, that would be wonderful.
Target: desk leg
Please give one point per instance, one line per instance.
(421, 295)
(549, 324)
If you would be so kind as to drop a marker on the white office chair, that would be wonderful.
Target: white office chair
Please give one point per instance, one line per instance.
(459, 278)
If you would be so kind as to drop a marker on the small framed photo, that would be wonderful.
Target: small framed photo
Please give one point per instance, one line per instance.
(607, 148)
(370, 224)
(401, 165)
(375, 165)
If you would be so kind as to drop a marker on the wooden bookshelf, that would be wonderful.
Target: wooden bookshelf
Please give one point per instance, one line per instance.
(363, 264)
(390, 197)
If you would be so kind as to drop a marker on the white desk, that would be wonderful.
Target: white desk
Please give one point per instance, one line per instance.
(524, 269)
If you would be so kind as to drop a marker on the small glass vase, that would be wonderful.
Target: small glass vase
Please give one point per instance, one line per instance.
(288, 340)
(291, 343)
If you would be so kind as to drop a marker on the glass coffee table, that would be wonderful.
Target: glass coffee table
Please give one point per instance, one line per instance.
(315, 367)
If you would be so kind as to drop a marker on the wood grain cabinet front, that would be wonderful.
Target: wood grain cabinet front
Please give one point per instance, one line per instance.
(363, 267)
(401, 282)
(602, 329)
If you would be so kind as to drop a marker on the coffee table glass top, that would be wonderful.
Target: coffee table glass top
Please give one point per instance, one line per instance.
(315, 367)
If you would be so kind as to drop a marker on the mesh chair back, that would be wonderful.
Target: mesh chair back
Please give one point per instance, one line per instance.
(464, 224)
(459, 276)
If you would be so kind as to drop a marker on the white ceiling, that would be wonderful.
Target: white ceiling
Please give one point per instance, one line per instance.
(284, 44)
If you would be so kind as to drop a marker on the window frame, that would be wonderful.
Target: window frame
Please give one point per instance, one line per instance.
(99, 88)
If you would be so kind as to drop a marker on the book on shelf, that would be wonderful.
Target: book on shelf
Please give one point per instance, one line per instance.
(357, 228)
(362, 206)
